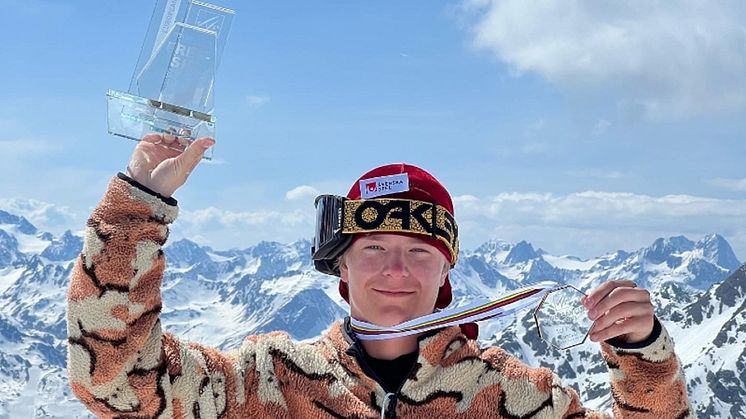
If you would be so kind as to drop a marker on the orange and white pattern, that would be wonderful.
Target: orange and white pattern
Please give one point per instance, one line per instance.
(121, 364)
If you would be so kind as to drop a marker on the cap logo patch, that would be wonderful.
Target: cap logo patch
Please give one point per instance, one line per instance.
(384, 185)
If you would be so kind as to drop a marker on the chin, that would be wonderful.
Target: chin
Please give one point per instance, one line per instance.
(393, 318)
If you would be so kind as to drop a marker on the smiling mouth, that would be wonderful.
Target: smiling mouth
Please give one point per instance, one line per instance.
(394, 293)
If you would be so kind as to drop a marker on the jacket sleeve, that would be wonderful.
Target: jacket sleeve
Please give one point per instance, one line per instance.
(647, 380)
(120, 364)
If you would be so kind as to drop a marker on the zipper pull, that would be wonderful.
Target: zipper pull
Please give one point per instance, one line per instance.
(385, 404)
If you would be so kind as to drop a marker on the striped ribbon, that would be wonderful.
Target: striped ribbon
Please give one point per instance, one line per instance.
(481, 309)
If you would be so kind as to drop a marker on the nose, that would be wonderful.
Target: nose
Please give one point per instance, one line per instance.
(395, 264)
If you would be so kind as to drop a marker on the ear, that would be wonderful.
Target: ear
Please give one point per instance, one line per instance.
(344, 271)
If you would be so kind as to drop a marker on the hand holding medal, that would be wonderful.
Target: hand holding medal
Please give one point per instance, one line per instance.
(621, 310)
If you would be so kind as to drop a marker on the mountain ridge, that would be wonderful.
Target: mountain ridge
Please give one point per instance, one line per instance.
(217, 297)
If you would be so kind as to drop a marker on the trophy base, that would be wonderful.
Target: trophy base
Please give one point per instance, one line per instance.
(132, 117)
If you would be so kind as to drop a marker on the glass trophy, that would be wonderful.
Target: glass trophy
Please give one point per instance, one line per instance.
(561, 318)
(172, 89)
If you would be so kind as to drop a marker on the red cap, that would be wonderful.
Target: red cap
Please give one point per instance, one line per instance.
(422, 187)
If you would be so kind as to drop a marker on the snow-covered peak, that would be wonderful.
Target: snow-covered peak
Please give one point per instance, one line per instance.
(663, 250)
(302, 246)
(289, 253)
(521, 252)
(8, 249)
(715, 302)
(22, 224)
(570, 263)
(494, 249)
(264, 248)
(184, 253)
(65, 248)
(716, 250)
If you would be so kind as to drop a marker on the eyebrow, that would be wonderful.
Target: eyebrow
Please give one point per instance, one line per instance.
(376, 238)
(379, 238)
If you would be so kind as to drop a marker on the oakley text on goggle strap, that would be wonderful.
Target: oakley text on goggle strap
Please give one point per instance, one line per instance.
(402, 215)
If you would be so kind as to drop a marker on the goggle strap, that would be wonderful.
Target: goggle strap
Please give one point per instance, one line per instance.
(402, 215)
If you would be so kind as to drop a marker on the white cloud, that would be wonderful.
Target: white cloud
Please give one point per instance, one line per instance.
(214, 216)
(302, 192)
(607, 208)
(224, 229)
(653, 57)
(738, 185)
(592, 222)
(43, 215)
(257, 101)
(465, 199)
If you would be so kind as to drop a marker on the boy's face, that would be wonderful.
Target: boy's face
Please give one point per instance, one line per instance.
(392, 278)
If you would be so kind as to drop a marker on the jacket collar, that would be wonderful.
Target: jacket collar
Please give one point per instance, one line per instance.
(437, 347)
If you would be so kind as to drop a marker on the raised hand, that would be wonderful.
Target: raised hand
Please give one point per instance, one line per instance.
(157, 162)
(620, 309)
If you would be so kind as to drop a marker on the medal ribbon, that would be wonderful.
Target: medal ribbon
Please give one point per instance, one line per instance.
(481, 309)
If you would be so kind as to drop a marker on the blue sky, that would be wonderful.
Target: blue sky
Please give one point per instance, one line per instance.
(582, 127)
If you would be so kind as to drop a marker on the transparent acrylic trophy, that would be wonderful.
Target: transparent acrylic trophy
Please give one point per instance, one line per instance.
(561, 318)
(172, 89)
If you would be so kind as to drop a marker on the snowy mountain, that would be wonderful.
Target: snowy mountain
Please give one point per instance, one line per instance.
(219, 296)
(716, 370)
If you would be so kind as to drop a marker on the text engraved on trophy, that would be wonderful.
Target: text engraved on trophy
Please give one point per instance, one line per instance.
(561, 318)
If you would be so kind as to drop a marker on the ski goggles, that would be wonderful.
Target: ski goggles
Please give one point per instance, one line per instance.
(338, 218)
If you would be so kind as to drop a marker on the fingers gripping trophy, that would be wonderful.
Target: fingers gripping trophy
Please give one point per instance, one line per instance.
(170, 101)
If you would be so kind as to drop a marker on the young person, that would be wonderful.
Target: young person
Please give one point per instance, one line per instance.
(393, 256)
